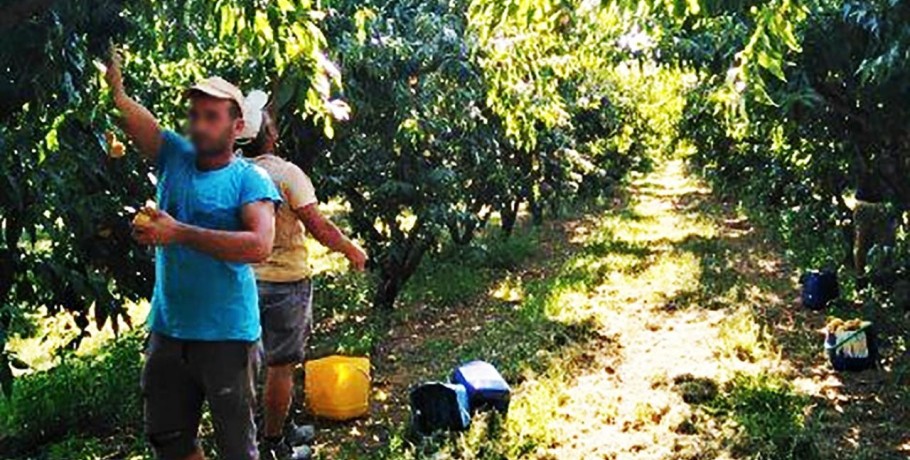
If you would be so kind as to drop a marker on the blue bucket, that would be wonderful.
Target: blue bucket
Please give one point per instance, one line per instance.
(819, 288)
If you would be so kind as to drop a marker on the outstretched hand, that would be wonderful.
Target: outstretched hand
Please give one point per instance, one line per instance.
(113, 75)
(357, 257)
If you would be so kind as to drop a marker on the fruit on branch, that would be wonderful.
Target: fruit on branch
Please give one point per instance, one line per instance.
(116, 149)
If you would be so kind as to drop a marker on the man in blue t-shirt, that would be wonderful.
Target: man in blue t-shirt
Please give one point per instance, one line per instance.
(215, 216)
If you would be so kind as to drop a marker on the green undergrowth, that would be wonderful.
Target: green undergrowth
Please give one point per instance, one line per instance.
(82, 395)
(458, 273)
(769, 418)
(347, 323)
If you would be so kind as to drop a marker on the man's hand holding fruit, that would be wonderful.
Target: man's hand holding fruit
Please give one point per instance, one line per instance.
(152, 226)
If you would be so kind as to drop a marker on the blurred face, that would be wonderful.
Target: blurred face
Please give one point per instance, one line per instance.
(213, 124)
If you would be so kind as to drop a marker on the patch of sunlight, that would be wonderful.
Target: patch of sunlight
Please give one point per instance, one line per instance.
(656, 225)
(665, 278)
(138, 312)
(827, 388)
(54, 332)
(581, 234)
(670, 275)
(322, 259)
(510, 289)
(594, 266)
(744, 343)
(568, 305)
(619, 282)
(539, 402)
(756, 295)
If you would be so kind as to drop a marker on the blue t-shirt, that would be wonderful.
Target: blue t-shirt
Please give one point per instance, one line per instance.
(199, 297)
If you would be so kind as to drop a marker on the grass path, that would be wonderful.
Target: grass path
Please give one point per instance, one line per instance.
(676, 329)
(666, 328)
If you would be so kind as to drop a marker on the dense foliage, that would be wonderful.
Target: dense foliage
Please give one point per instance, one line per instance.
(64, 203)
(455, 114)
(818, 122)
(433, 120)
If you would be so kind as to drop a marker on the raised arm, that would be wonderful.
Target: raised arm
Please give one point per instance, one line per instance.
(330, 236)
(250, 245)
(135, 120)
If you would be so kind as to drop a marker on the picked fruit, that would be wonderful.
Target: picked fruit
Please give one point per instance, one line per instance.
(146, 213)
(837, 325)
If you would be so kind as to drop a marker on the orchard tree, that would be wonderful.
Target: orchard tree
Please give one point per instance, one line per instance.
(65, 244)
(413, 92)
(64, 187)
(807, 108)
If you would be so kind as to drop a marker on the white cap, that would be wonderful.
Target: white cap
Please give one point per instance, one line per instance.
(252, 113)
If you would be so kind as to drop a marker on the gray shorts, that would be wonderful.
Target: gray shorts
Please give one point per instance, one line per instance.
(286, 313)
(179, 375)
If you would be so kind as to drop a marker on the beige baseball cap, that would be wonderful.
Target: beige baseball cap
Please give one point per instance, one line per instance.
(220, 88)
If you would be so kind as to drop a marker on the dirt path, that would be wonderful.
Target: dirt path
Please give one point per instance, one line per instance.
(665, 329)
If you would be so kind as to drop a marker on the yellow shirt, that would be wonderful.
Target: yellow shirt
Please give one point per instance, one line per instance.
(288, 261)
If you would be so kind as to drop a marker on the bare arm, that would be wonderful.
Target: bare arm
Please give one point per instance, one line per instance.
(329, 235)
(250, 245)
(135, 120)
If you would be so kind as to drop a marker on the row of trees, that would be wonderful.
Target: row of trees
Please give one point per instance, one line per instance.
(802, 126)
(457, 111)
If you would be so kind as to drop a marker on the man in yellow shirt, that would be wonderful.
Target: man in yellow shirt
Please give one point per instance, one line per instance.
(285, 291)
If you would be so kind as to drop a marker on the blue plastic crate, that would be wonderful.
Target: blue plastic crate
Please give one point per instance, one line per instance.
(485, 385)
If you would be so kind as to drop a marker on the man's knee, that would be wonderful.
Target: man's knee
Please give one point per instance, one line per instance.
(173, 445)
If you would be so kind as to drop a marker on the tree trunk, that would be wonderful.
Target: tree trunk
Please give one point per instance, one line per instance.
(395, 272)
(509, 215)
(536, 209)
(8, 257)
(462, 235)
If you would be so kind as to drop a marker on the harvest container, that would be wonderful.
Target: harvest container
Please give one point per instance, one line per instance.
(819, 288)
(852, 350)
(338, 387)
(485, 385)
(439, 406)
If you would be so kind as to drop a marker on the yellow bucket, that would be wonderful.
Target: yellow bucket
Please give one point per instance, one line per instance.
(338, 387)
